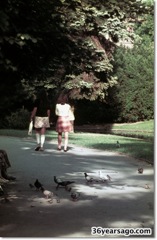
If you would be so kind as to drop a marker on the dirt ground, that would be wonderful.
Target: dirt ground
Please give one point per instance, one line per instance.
(127, 201)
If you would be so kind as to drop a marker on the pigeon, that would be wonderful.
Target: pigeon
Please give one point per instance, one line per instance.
(62, 183)
(97, 179)
(109, 178)
(47, 193)
(106, 178)
(140, 170)
(88, 178)
(118, 144)
(147, 186)
(68, 188)
(57, 180)
(31, 186)
(37, 184)
(75, 196)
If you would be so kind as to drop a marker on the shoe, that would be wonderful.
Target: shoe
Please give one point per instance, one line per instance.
(41, 149)
(37, 148)
(65, 150)
(11, 178)
(5, 175)
(3, 180)
(59, 149)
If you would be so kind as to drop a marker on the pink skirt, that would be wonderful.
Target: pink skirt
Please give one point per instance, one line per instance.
(63, 124)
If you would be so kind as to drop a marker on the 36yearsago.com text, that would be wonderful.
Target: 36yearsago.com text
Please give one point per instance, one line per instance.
(121, 231)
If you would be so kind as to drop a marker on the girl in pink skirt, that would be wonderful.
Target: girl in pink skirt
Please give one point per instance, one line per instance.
(63, 124)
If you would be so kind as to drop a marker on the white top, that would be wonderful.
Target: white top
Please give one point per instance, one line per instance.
(62, 110)
(71, 115)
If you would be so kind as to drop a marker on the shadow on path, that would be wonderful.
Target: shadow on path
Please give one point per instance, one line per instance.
(123, 202)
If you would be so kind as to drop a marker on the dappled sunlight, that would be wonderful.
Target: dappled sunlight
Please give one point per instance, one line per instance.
(119, 202)
(111, 191)
(25, 148)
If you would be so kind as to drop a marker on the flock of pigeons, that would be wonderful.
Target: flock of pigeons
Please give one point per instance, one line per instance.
(67, 185)
(60, 183)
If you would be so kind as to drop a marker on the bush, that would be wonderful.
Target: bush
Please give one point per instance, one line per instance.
(19, 119)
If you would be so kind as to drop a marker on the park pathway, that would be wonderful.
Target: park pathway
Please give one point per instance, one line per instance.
(127, 201)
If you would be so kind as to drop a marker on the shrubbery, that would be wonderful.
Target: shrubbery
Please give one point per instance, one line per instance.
(134, 68)
(18, 119)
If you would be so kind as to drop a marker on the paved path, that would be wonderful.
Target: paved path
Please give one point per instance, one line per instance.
(124, 202)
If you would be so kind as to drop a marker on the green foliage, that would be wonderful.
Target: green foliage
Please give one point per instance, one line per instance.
(67, 45)
(19, 119)
(43, 42)
(95, 112)
(135, 71)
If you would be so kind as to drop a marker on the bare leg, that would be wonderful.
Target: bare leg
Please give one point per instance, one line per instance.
(59, 140)
(72, 126)
(43, 131)
(66, 134)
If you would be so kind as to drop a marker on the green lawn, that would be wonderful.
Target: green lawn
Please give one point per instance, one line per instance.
(143, 130)
(140, 129)
(139, 126)
(141, 148)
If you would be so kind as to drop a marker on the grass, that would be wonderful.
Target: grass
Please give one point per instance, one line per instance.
(140, 148)
(137, 148)
(138, 126)
(144, 130)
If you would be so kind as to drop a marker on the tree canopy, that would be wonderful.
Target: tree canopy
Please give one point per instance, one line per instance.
(64, 45)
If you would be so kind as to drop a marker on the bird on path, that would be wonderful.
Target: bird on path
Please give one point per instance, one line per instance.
(62, 183)
(97, 179)
(118, 144)
(57, 180)
(140, 170)
(31, 185)
(106, 178)
(68, 188)
(47, 193)
(37, 184)
(147, 186)
(75, 196)
(88, 178)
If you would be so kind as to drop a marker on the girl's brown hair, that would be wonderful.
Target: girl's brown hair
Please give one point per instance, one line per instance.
(62, 99)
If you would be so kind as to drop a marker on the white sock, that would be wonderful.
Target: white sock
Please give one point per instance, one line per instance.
(42, 140)
(38, 138)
